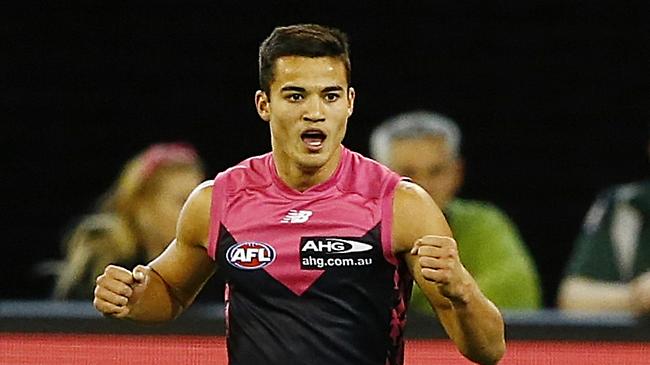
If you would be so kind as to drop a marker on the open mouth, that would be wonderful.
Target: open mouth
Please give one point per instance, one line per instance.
(313, 139)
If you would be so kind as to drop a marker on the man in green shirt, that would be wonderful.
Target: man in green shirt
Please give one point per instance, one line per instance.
(425, 147)
(610, 266)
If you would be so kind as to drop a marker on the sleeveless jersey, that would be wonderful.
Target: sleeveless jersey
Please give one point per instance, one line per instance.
(311, 278)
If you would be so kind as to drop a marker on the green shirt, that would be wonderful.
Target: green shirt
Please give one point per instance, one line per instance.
(492, 250)
(614, 244)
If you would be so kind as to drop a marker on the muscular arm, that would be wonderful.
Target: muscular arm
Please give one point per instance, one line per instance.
(161, 290)
(422, 237)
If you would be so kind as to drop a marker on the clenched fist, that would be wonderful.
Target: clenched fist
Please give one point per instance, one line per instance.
(440, 264)
(118, 289)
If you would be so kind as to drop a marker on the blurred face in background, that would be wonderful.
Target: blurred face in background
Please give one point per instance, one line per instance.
(430, 163)
(161, 203)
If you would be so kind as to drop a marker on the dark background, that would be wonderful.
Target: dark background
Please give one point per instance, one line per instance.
(552, 98)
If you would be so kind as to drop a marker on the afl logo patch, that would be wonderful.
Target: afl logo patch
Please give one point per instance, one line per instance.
(250, 255)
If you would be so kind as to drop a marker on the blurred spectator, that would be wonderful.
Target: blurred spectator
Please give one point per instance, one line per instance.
(425, 146)
(610, 266)
(135, 219)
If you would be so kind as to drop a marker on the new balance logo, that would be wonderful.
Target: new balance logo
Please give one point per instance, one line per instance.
(297, 216)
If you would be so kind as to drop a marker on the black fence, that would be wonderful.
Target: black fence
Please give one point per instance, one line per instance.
(208, 319)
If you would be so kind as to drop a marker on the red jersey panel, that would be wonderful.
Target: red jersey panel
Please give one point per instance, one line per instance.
(310, 275)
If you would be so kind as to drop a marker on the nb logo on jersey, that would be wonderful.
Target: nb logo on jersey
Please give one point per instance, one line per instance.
(297, 216)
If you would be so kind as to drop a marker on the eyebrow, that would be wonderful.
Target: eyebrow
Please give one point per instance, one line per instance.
(302, 89)
(332, 88)
(293, 88)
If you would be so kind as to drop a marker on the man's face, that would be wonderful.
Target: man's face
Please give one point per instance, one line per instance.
(308, 109)
(430, 163)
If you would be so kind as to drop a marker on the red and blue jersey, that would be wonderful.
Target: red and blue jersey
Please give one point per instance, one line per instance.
(311, 277)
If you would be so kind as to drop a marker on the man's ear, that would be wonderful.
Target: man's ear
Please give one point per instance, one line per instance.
(351, 95)
(263, 105)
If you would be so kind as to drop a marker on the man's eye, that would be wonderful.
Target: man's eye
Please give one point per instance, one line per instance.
(295, 97)
(332, 97)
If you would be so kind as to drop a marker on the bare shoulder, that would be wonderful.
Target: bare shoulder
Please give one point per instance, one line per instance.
(410, 202)
(415, 215)
(194, 219)
(410, 192)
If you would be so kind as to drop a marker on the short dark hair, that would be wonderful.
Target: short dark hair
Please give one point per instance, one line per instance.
(307, 40)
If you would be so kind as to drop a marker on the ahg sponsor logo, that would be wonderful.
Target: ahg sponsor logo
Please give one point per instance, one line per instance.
(334, 245)
(334, 252)
(310, 262)
(250, 255)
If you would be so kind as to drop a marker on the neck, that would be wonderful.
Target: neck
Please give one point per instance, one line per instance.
(300, 177)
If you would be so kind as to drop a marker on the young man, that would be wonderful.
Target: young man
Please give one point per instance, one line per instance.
(425, 146)
(318, 244)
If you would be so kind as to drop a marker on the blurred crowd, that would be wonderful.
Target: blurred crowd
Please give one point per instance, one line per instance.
(608, 271)
(134, 221)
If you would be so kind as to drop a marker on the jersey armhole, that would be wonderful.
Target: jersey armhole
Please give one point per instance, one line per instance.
(387, 198)
(217, 213)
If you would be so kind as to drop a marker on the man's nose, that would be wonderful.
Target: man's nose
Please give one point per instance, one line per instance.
(314, 111)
